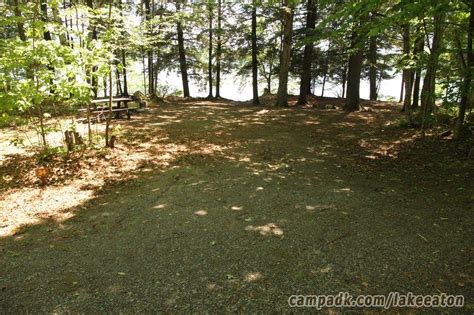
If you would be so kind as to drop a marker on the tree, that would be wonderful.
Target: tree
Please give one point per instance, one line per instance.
(305, 81)
(429, 82)
(287, 23)
(209, 67)
(218, 49)
(407, 71)
(372, 58)
(354, 72)
(255, 99)
(417, 52)
(182, 54)
(151, 81)
(469, 64)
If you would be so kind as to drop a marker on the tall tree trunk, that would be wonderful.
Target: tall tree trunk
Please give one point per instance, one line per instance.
(353, 76)
(93, 36)
(372, 56)
(19, 24)
(466, 89)
(122, 52)
(325, 70)
(429, 82)
(58, 20)
(104, 80)
(118, 83)
(44, 18)
(344, 79)
(124, 74)
(182, 56)
(255, 99)
(282, 95)
(323, 85)
(109, 116)
(144, 74)
(419, 46)
(66, 24)
(209, 66)
(151, 77)
(305, 82)
(218, 49)
(269, 79)
(401, 90)
(407, 73)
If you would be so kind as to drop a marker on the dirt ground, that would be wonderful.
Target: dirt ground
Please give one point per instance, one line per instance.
(222, 206)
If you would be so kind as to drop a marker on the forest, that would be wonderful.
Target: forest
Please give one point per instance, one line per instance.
(235, 156)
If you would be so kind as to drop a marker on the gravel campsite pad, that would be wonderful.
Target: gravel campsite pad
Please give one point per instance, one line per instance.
(236, 208)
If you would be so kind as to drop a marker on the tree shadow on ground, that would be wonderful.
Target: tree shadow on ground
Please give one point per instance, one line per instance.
(284, 210)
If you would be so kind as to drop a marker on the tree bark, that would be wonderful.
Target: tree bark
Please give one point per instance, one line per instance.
(282, 95)
(429, 82)
(93, 36)
(218, 49)
(20, 26)
(305, 82)
(255, 100)
(353, 76)
(44, 19)
(419, 46)
(466, 89)
(372, 56)
(182, 56)
(401, 90)
(209, 66)
(151, 81)
(407, 73)
(118, 83)
(57, 18)
(124, 74)
(123, 53)
(344, 79)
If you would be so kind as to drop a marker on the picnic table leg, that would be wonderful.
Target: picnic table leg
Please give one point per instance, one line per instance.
(117, 114)
(129, 116)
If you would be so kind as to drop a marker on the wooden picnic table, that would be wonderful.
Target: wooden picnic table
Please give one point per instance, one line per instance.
(117, 100)
(98, 111)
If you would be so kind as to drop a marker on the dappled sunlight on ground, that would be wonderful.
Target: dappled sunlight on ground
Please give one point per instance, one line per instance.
(28, 206)
(266, 229)
(206, 203)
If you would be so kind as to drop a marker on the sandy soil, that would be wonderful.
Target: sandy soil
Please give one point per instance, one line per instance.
(227, 207)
